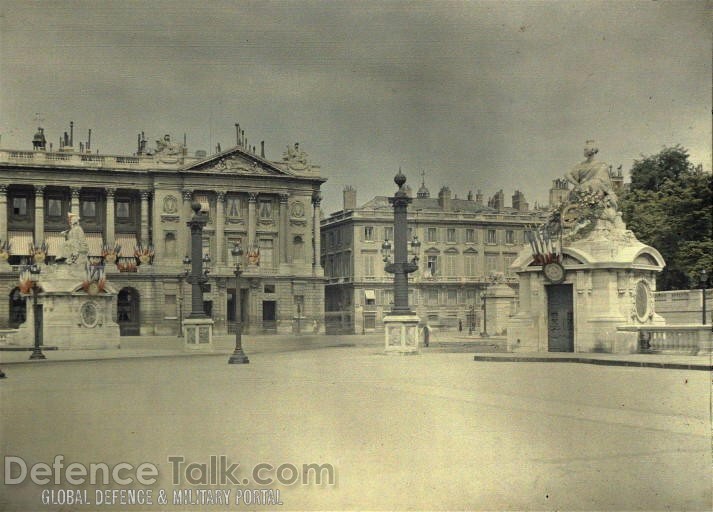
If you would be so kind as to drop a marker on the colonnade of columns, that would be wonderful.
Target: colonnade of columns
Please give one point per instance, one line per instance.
(187, 195)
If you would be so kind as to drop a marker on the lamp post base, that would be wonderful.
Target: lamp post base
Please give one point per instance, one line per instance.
(198, 333)
(37, 354)
(238, 357)
(401, 334)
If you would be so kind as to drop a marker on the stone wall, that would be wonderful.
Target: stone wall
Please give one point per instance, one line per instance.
(684, 306)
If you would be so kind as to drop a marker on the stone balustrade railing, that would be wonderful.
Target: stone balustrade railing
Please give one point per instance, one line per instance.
(86, 159)
(692, 339)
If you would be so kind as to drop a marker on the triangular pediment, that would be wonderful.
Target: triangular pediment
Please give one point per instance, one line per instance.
(237, 161)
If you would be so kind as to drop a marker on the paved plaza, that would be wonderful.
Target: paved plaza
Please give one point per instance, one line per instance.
(431, 431)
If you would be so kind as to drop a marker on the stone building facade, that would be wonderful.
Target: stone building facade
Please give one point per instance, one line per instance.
(464, 244)
(142, 203)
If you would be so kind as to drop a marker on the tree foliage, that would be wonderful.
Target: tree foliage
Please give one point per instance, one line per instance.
(668, 206)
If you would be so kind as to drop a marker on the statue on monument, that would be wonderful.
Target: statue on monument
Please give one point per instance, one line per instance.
(74, 248)
(592, 205)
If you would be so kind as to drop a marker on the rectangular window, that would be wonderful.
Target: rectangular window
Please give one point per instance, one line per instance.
(368, 233)
(369, 265)
(54, 207)
(491, 263)
(19, 206)
(388, 233)
(432, 297)
(123, 209)
(509, 237)
(492, 237)
(265, 209)
(508, 259)
(266, 252)
(88, 209)
(431, 235)
(268, 288)
(451, 265)
(452, 297)
(470, 264)
(169, 306)
(451, 235)
(233, 207)
(432, 265)
(388, 297)
(470, 235)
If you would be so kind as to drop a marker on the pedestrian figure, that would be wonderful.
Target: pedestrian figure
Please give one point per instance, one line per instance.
(460, 325)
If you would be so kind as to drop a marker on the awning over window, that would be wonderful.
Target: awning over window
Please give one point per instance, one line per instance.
(54, 242)
(94, 241)
(127, 243)
(369, 295)
(20, 242)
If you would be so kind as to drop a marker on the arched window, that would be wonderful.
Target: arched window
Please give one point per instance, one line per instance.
(298, 249)
(170, 244)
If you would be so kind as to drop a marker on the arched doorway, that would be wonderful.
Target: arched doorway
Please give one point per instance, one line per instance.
(18, 308)
(128, 312)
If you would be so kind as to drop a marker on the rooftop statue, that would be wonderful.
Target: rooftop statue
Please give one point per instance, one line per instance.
(74, 249)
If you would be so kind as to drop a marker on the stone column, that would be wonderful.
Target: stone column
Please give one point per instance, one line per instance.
(252, 219)
(219, 227)
(74, 208)
(283, 228)
(39, 213)
(316, 200)
(109, 228)
(145, 216)
(3, 212)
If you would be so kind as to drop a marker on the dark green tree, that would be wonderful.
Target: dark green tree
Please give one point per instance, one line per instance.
(669, 205)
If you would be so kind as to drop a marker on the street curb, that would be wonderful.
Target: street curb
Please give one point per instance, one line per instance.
(225, 353)
(602, 362)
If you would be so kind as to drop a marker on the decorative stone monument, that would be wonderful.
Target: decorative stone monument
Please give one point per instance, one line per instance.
(197, 327)
(401, 324)
(584, 274)
(77, 300)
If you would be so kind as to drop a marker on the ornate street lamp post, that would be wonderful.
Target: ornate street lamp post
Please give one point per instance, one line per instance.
(182, 277)
(34, 271)
(401, 323)
(704, 285)
(198, 326)
(238, 356)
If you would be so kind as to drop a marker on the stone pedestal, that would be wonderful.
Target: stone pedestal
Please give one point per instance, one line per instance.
(198, 333)
(401, 333)
(499, 299)
(73, 316)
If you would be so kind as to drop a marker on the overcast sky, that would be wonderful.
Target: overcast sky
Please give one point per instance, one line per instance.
(480, 95)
